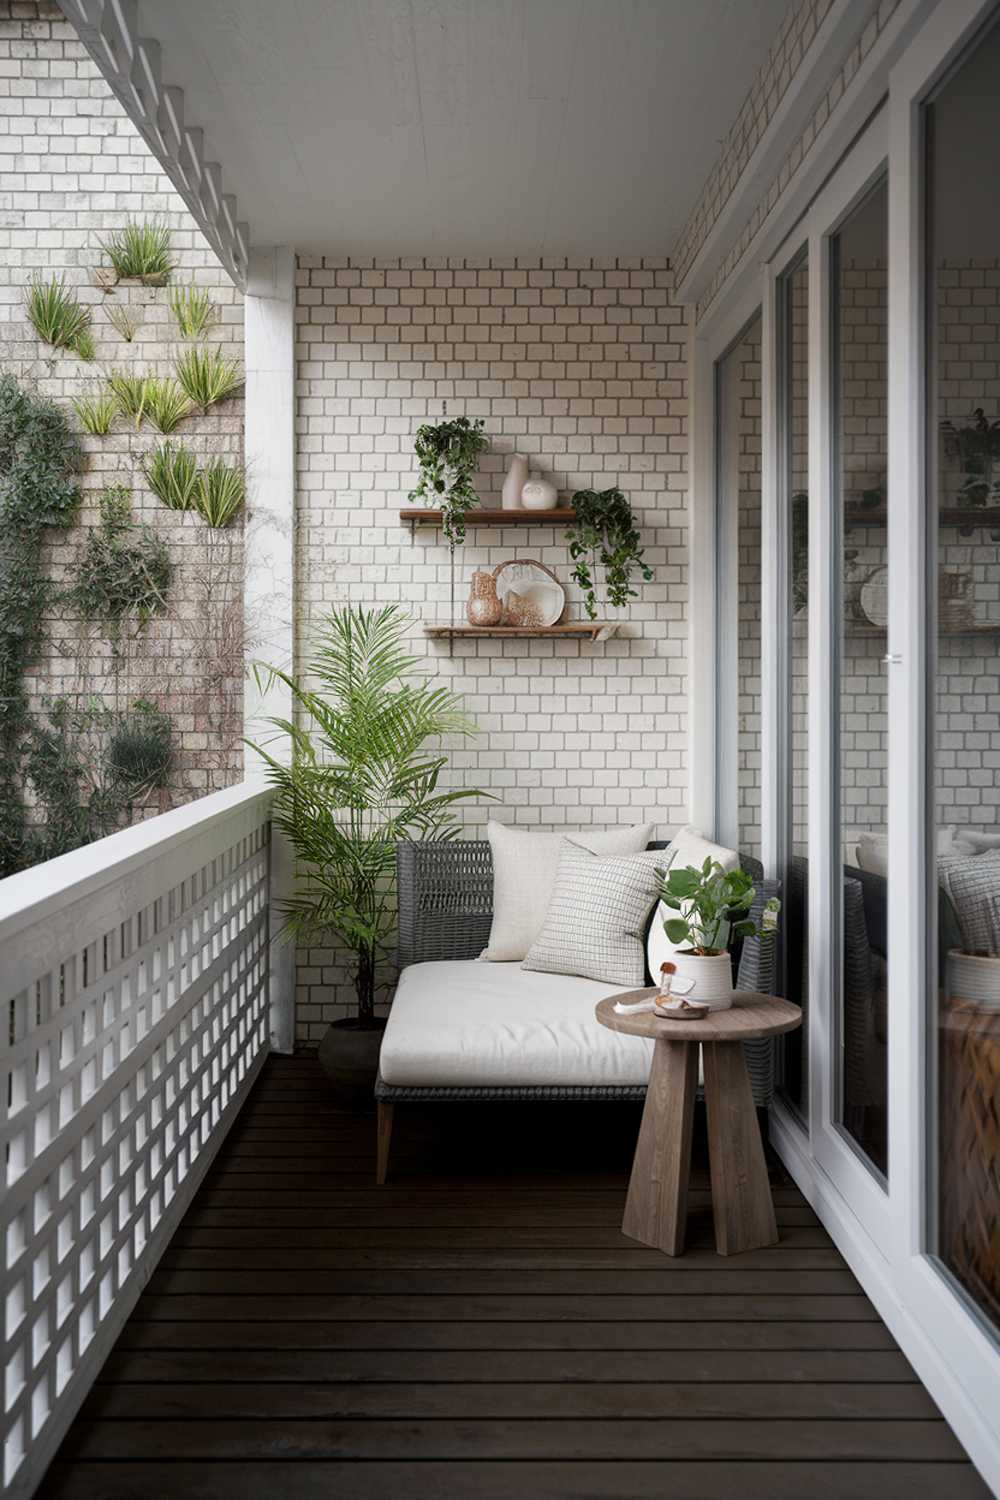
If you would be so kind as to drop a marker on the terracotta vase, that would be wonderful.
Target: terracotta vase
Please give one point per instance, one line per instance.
(484, 606)
(517, 476)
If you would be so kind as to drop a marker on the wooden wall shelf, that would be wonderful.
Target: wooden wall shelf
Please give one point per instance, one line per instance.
(580, 630)
(417, 515)
(878, 632)
(950, 515)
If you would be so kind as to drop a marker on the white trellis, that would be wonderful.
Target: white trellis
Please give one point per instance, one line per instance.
(134, 992)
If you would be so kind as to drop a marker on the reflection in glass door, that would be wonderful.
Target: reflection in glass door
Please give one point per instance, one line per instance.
(963, 389)
(859, 394)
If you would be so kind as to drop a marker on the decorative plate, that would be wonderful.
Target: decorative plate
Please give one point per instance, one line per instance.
(874, 596)
(530, 593)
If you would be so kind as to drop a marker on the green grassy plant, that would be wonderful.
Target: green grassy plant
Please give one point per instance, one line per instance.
(172, 475)
(166, 404)
(57, 316)
(193, 311)
(140, 249)
(96, 414)
(220, 492)
(131, 394)
(208, 377)
(124, 320)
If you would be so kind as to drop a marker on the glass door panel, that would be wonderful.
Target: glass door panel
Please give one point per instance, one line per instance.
(859, 428)
(963, 389)
(792, 314)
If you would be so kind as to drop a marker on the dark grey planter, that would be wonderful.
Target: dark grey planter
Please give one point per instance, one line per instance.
(348, 1056)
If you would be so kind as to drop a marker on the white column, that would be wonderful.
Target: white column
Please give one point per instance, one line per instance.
(269, 574)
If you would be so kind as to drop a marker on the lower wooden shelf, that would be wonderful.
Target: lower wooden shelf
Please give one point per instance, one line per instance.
(580, 630)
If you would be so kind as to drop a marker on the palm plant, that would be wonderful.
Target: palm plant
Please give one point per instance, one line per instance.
(57, 316)
(131, 394)
(207, 377)
(96, 413)
(166, 404)
(172, 475)
(361, 778)
(124, 320)
(219, 492)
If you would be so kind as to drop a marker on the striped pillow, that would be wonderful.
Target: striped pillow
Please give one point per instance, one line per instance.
(597, 917)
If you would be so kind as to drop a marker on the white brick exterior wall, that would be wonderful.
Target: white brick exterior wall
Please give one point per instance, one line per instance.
(582, 366)
(72, 170)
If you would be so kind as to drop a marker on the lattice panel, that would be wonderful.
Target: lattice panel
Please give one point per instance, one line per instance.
(130, 1046)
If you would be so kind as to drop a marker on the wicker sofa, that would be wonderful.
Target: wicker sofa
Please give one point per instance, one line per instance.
(456, 1022)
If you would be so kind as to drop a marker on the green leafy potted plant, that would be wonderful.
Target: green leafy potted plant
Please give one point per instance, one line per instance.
(363, 775)
(448, 454)
(712, 906)
(604, 532)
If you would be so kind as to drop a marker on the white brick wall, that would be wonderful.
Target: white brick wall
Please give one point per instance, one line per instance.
(73, 169)
(579, 364)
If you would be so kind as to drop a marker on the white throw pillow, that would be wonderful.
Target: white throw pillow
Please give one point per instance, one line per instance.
(524, 873)
(687, 847)
(596, 918)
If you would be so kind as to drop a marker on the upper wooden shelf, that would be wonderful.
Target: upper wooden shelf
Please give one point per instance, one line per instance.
(951, 515)
(580, 630)
(417, 515)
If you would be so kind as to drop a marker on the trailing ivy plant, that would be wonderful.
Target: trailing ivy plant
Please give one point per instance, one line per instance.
(448, 454)
(123, 571)
(604, 533)
(39, 456)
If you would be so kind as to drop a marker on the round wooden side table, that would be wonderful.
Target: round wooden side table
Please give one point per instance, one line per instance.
(656, 1207)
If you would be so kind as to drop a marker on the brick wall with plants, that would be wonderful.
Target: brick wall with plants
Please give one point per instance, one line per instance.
(114, 311)
(581, 366)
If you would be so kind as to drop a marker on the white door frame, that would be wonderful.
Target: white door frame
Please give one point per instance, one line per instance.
(883, 1235)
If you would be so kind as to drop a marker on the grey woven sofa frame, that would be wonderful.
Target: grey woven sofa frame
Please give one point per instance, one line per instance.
(445, 900)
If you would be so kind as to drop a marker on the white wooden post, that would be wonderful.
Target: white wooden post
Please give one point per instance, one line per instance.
(269, 585)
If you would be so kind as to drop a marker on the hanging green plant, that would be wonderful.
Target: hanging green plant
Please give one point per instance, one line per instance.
(39, 455)
(123, 572)
(604, 533)
(448, 455)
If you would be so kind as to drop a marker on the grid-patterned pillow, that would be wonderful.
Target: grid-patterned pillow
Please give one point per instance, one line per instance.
(597, 917)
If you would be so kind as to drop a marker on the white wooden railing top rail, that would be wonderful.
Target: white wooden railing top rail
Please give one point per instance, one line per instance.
(134, 995)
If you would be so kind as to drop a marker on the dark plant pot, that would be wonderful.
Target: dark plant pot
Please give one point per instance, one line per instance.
(348, 1055)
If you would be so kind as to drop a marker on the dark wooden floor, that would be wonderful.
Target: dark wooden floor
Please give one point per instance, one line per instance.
(480, 1327)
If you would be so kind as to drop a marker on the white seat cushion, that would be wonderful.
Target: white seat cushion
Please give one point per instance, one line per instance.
(476, 1025)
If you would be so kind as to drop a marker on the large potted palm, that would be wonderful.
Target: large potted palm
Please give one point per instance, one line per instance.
(363, 774)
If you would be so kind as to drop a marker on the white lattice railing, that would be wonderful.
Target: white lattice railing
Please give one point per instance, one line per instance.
(134, 988)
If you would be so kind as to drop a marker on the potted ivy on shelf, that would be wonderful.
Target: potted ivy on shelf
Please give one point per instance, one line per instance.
(712, 907)
(448, 455)
(604, 534)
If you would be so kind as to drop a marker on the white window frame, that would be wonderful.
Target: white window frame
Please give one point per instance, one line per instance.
(883, 1234)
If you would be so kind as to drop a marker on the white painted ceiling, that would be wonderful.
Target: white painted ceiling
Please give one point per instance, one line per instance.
(463, 127)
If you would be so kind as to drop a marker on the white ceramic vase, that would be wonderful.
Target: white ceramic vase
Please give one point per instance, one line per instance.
(974, 980)
(712, 979)
(539, 494)
(517, 477)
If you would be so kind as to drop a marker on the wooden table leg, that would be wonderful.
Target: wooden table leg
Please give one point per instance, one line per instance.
(656, 1207)
(741, 1194)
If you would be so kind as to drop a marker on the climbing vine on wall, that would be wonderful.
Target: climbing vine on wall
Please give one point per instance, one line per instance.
(39, 457)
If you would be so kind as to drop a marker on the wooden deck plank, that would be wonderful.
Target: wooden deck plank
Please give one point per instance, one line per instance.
(481, 1326)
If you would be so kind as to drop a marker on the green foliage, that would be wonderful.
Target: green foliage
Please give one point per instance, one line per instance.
(220, 492)
(712, 905)
(124, 320)
(131, 393)
(172, 475)
(123, 572)
(38, 457)
(140, 249)
(90, 767)
(96, 413)
(361, 778)
(193, 311)
(57, 316)
(604, 532)
(206, 376)
(448, 454)
(166, 404)
(800, 551)
(975, 447)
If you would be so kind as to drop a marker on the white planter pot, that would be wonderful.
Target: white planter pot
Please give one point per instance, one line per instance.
(974, 980)
(712, 979)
